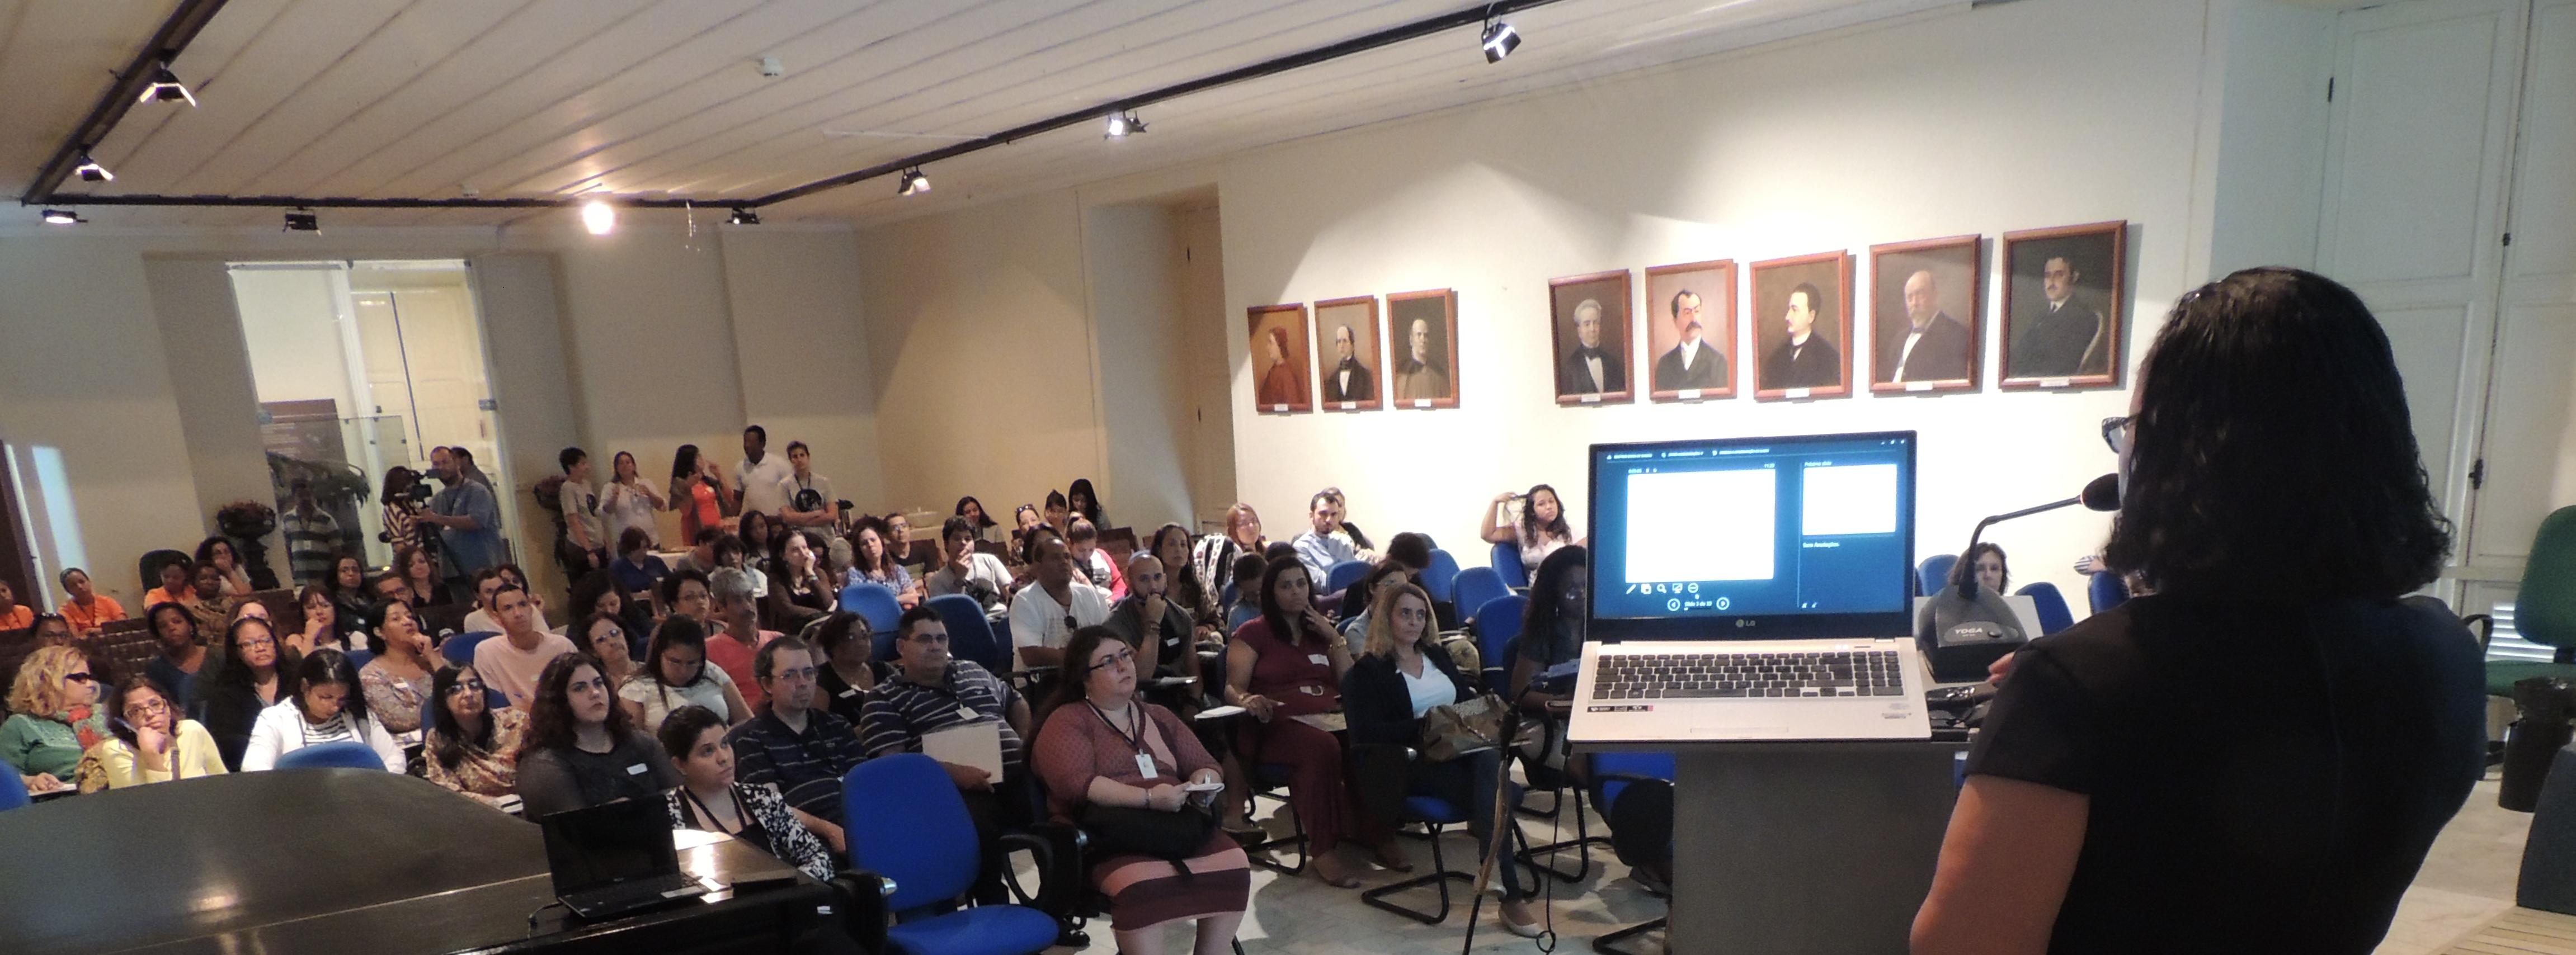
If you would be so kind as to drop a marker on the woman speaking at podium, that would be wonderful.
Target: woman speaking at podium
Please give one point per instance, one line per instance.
(2256, 757)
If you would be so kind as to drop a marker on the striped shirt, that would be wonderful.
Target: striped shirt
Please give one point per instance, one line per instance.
(899, 710)
(806, 767)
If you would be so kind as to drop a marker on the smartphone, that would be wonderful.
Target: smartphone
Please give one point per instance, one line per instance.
(1208, 787)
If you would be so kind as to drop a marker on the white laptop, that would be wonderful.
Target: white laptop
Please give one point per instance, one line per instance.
(1751, 590)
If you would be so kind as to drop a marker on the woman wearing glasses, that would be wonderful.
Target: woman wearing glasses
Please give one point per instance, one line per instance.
(150, 742)
(54, 716)
(256, 673)
(472, 749)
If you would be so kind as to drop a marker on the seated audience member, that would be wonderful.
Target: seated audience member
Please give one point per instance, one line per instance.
(846, 672)
(579, 749)
(214, 608)
(899, 543)
(973, 511)
(398, 679)
(1159, 630)
(603, 636)
(155, 743)
(700, 493)
(1094, 563)
(418, 572)
(738, 634)
(789, 744)
(346, 585)
(600, 592)
(930, 691)
(183, 652)
(1401, 673)
(675, 674)
(1551, 630)
(965, 571)
(511, 574)
(1055, 604)
(1542, 528)
(1325, 544)
(797, 591)
(733, 554)
(471, 748)
(758, 531)
(710, 798)
(1023, 520)
(49, 629)
(1059, 516)
(256, 673)
(702, 551)
(1407, 556)
(388, 587)
(512, 661)
(627, 503)
(326, 707)
(684, 594)
(484, 619)
(13, 615)
(175, 575)
(1084, 502)
(1215, 556)
(1171, 545)
(217, 552)
(873, 562)
(54, 716)
(1105, 752)
(88, 610)
(1286, 667)
(1349, 528)
(1986, 563)
(322, 624)
(1983, 569)
(1247, 595)
(636, 566)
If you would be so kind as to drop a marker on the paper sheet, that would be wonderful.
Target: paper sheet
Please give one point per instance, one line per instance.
(977, 744)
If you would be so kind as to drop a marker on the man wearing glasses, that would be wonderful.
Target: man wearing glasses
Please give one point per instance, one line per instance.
(930, 692)
(801, 751)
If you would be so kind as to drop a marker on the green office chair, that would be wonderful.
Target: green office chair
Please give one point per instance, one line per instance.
(2544, 610)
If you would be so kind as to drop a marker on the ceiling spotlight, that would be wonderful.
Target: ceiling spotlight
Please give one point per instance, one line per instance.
(743, 216)
(90, 171)
(1500, 40)
(599, 217)
(914, 183)
(1122, 125)
(63, 217)
(165, 86)
(303, 220)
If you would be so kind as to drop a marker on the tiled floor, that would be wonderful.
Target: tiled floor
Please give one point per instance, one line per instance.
(2466, 881)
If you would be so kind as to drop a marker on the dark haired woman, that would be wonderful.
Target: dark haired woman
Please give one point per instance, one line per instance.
(256, 673)
(973, 511)
(1059, 513)
(402, 515)
(1084, 502)
(1023, 520)
(628, 501)
(472, 749)
(759, 533)
(849, 671)
(153, 742)
(328, 706)
(580, 750)
(419, 575)
(398, 679)
(183, 652)
(1286, 667)
(217, 552)
(710, 799)
(1542, 527)
(323, 626)
(797, 591)
(1171, 545)
(872, 562)
(674, 673)
(600, 592)
(698, 491)
(1407, 556)
(1551, 630)
(2271, 740)
(346, 585)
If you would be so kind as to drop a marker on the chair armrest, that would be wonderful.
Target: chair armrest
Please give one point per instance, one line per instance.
(2481, 626)
(862, 897)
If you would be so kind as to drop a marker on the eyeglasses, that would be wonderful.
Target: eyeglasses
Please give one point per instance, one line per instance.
(79, 678)
(147, 708)
(2115, 432)
(465, 686)
(1122, 656)
(267, 642)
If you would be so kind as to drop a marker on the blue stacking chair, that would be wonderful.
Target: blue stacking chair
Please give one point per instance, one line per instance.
(2053, 615)
(1440, 580)
(1933, 573)
(874, 601)
(929, 852)
(970, 635)
(1498, 622)
(1506, 561)
(359, 657)
(1433, 813)
(345, 754)
(13, 790)
(2106, 591)
(459, 649)
(1475, 587)
(1641, 830)
(1341, 576)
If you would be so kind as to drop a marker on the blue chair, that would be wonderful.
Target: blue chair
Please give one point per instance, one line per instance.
(13, 790)
(970, 634)
(1440, 580)
(345, 754)
(1933, 573)
(1242, 613)
(2106, 591)
(1641, 830)
(359, 658)
(2053, 615)
(1432, 813)
(874, 601)
(1476, 586)
(1506, 561)
(459, 649)
(1341, 576)
(1498, 622)
(930, 853)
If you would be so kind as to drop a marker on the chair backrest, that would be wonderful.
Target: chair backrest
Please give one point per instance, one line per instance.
(1242, 613)
(1341, 576)
(359, 655)
(927, 846)
(13, 790)
(459, 649)
(1440, 580)
(970, 633)
(1475, 587)
(345, 754)
(1498, 621)
(1933, 574)
(874, 601)
(2105, 591)
(1506, 562)
(2544, 609)
(148, 569)
(1614, 771)
(2053, 615)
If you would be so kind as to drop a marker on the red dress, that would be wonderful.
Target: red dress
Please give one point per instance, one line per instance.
(1075, 746)
(1300, 679)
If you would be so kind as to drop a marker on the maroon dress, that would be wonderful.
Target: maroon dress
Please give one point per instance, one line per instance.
(1300, 679)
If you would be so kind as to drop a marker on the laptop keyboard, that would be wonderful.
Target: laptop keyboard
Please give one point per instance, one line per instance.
(1819, 675)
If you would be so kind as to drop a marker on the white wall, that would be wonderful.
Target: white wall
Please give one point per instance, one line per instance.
(802, 355)
(290, 321)
(1136, 276)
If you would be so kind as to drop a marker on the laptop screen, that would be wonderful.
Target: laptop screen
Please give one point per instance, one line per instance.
(598, 846)
(1745, 538)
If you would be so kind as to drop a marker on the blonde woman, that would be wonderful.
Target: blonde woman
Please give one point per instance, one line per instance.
(55, 716)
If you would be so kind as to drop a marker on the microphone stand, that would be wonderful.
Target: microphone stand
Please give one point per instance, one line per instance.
(1968, 590)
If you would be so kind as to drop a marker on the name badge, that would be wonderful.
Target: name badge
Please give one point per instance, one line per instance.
(851, 692)
(1318, 659)
(1311, 690)
(1145, 764)
(635, 770)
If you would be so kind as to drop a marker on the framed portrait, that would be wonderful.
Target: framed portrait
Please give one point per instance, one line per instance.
(1690, 331)
(1279, 355)
(1422, 328)
(1588, 315)
(2063, 293)
(1346, 346)
(1924, 303)
(1802, 325)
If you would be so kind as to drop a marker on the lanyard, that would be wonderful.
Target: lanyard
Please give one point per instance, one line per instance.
(741, 817)
(1135, 713)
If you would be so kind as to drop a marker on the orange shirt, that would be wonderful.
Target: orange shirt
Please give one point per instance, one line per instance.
(17, 618)
(102, 609)
(159, 595)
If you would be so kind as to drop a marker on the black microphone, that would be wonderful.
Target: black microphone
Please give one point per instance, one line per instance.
(2101, 494)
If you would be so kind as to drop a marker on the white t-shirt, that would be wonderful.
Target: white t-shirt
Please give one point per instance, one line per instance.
(1038, 621)
(986, 580)
(621, 507)
(658, 700)
(821, 487)
(581, 507)
(1432, 688)
(764, 486)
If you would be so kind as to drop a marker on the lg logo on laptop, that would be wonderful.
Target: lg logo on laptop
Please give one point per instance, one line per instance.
(1741, 623)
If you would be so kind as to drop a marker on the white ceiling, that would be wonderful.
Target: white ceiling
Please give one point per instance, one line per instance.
(387, 98)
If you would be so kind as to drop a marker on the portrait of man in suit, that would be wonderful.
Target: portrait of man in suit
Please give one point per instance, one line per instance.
(1929, 344)
(2064, 337)
(1691, 364)
(1588, 327)
(1806, 356)
(1589, 369)
(1690, 331)
(1346, 335)
(2062, 321)
(1348, 380)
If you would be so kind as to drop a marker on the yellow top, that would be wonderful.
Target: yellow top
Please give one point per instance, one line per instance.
(193, 754)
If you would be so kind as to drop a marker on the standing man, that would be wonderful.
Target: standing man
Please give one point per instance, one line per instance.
(809, 495)
(791, 745)
(1805, 359)
(1692, 364)
(468, 519)
(2065, 338)
(1420, 377)
(761, 481)
(1349, 380)
(312, 535)
(1934, 347)
(1589, 370)
(512, 661)
(584, 550)
(1053, 606)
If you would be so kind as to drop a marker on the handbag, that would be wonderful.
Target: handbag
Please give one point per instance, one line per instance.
(1128, 830)
(1451, 730)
